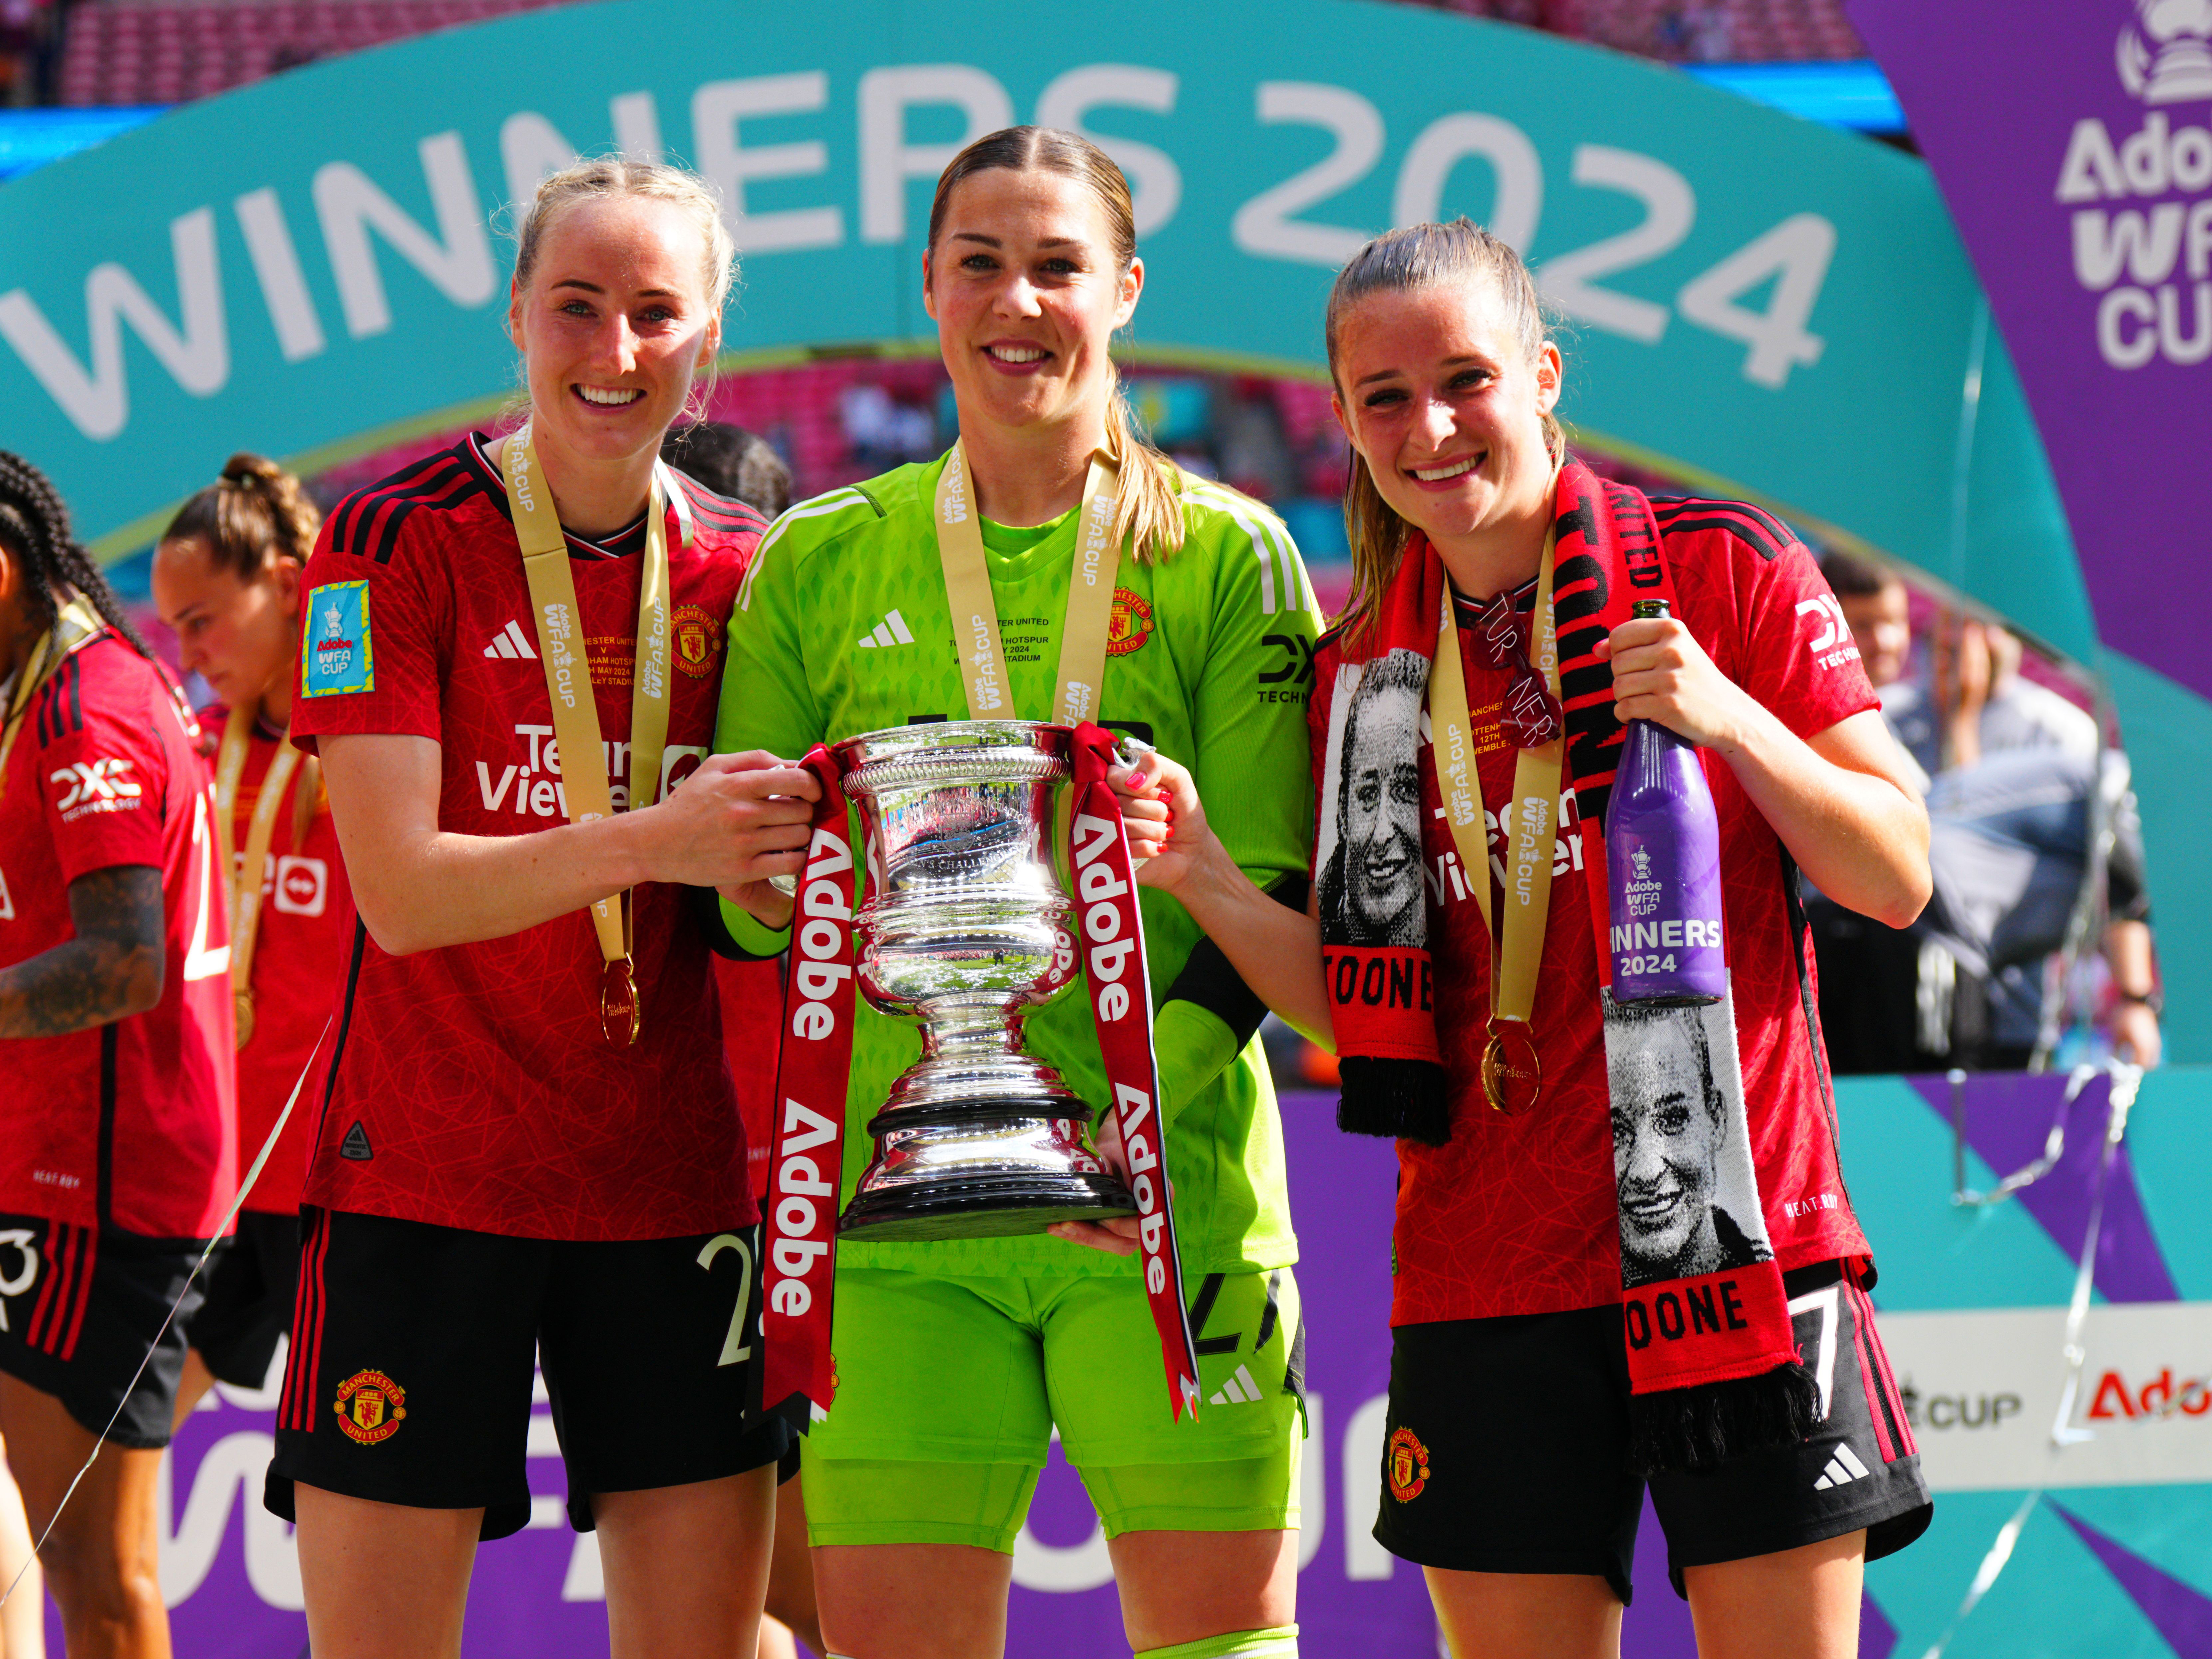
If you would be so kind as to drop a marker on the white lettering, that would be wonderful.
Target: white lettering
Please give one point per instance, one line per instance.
(197, 355)
(887, 161)
(348, 204)
(716, 110)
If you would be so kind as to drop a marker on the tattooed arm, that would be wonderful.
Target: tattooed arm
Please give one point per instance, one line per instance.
(110, 970)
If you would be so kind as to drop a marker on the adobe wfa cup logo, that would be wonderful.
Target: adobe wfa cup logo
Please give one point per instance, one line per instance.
(2165, 51)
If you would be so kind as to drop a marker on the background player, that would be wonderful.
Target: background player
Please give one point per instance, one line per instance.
(119, 1158)
(226, 582)
(956, 1359)
(491, 1173)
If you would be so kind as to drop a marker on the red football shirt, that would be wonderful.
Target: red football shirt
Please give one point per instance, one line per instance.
(131, 1123)
(1517, 1215)
(471, 1087)
(299, 957)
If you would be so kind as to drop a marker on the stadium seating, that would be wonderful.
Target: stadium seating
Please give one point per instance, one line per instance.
(142, 52)
(121, 51)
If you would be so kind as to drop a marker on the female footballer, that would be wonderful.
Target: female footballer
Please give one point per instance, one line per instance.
(117, 1161)
(226, 583)
(957, 1360)
(526, 1139)
(1576, 1173)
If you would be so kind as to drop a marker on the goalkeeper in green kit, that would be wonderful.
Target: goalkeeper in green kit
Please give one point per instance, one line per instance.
(956, 1359)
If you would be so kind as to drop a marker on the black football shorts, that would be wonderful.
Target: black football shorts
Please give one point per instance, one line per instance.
(81, 1309)
(249, 1298)
(1506, 1448)
(409, 1376)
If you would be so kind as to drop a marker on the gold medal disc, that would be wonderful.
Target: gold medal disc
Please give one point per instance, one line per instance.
(241, 1014)
(1512, 1076)
(621, 1012)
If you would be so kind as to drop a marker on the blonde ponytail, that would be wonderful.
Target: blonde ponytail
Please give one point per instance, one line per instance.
(1149, 514)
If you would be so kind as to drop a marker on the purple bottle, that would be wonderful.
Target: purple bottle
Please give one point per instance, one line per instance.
(1662, 852)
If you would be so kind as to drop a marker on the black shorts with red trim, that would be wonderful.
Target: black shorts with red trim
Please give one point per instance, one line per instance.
(410, 1375)
(1506, 1448)
(249, 1299)
(80, 1309)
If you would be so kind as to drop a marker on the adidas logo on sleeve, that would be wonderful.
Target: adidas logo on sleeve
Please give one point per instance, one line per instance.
(892, 630)
(511, 643)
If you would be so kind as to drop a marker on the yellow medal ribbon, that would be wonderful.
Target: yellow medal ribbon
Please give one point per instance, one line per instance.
(254, 857)
(584, 769)
(78, 620)
(1512, 1078)
(976, 613)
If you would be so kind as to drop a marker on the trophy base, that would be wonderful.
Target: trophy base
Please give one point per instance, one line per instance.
(986, 1207)
(986, 1175)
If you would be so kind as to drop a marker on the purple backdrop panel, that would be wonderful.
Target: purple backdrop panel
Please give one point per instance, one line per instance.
(2009, 1117)
(229, 1569)
(2073, 144)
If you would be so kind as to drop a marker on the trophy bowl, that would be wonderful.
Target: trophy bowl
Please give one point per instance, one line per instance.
(963, 931)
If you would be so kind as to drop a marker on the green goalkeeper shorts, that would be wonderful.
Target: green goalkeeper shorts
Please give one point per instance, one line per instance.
(948, 1390)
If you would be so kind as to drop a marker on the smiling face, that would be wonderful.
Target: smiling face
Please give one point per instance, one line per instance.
(1026, 291)
(1665, 1140)
(239, 635)
(1438, 394)
(615, 322)
(1383, 814)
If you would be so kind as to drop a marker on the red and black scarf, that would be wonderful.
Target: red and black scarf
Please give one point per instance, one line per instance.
(1713, 1359)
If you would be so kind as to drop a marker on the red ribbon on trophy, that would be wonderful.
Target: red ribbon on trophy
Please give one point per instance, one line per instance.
(1110, 939)
(798, 1268)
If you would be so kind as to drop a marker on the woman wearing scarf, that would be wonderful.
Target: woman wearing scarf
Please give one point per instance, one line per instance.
(1624, 1254)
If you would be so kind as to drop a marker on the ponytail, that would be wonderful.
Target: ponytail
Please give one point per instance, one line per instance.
(1148, 515)
(255, 513)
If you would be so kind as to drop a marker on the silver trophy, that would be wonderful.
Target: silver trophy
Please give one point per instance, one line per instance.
(962, 931)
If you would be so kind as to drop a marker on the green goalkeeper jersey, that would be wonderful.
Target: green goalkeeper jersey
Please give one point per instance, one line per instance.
(842, 627)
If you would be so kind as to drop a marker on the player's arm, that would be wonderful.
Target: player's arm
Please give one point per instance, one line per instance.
(737, 818)
(1275, 950)
(1836, 790)
(111, 969)
(1251, 752)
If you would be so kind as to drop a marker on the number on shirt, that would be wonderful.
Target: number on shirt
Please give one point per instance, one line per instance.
(1825, 1303)
(734, 1346)
(200, 963)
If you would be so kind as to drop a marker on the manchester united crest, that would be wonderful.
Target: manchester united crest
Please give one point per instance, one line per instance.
(1407, 1464)
(697, 638)
(1129, 625)
(370, 1407)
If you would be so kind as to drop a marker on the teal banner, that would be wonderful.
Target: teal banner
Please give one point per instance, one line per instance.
(314, 266)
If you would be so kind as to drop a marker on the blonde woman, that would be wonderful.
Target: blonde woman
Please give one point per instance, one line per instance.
(526, 1137)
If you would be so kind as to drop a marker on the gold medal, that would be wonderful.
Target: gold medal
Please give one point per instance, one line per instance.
(1512, 1076)
(242, 1010)
(583, 772)
(621, 1013)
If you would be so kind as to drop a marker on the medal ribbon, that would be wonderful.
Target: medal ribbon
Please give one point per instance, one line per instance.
(78, 622)
(976, 613)
(1526, 823)
(246, 875)
(586, 790)
(799, 1271)
(1112, 938)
